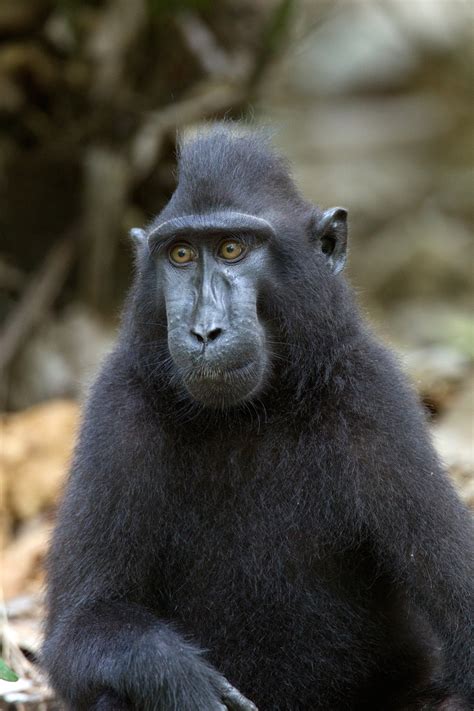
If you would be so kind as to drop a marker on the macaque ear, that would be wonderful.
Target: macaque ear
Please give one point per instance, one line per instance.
(139, 239)
(329, 232)
(138, 235)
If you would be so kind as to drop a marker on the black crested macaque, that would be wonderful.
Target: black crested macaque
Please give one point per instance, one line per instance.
(255, 514)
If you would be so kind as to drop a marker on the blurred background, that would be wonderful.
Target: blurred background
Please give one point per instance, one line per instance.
(371, 100)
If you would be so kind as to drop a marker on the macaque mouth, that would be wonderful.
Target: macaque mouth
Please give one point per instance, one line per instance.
(223, 373)
(215, 385)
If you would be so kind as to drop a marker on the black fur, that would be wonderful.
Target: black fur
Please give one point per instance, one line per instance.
(307, 545)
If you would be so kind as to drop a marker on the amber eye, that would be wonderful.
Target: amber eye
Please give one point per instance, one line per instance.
(182, 254)
(231, 250)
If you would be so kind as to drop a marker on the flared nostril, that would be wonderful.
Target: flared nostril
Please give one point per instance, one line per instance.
(215, 333)
(198, 336)
(204, 336)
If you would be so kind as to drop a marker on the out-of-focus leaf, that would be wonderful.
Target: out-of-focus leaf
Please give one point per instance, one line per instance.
(6, 673)
(273, 37)
(163, 7)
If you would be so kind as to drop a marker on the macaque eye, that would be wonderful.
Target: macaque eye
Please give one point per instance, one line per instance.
(231, 250)
(182, 254)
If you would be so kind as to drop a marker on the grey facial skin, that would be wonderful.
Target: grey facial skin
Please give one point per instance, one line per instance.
(215, 337)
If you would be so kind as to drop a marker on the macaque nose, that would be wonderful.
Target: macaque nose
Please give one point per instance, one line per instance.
(204, 335)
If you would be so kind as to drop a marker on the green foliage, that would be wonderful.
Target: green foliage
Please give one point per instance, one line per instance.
(273, 37)
(459, 332)
(74, 5)
(278, 25)
(6, 673)
(158, 8)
